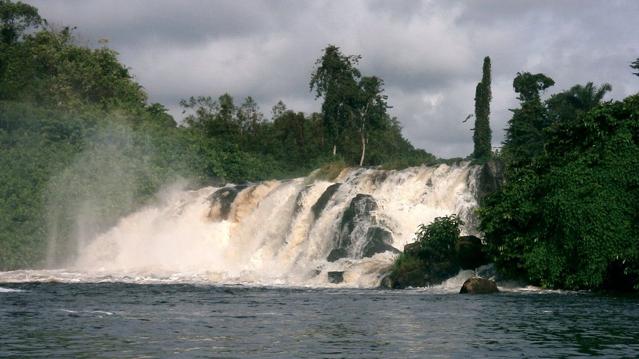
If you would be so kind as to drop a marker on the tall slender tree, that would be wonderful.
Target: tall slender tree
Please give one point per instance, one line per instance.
(370, 109)
(482, 134)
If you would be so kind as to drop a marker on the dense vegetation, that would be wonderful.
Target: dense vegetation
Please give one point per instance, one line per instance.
(81, 145)
(568, 214)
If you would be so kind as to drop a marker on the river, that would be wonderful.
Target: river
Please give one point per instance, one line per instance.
(125, 320)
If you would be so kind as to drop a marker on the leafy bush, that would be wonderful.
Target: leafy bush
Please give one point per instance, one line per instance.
(431, 258)
(437, 240)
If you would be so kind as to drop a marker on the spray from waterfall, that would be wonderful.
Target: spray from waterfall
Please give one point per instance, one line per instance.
(291, 232)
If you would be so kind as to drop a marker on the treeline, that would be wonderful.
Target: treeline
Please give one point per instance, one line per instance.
(81, 145)
(568, 213)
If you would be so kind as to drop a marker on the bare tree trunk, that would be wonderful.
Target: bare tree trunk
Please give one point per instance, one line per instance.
(334, 150)
(361, 159)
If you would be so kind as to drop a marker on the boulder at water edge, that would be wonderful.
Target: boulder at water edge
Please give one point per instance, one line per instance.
(477, 285)
(335, 277)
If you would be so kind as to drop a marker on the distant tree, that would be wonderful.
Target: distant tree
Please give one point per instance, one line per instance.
(335, 78)
(214, 118)
(15, 19)
(482, 134)
(160, 115)
(370, 109)
(278, 110)
(249, 117)
(635, 65)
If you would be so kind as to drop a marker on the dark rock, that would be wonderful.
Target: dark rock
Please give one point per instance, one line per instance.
(413, 272)
(470, 254)
(378, 240)
(438, 272)
(477, 285)
(386, 282)
(411, 278)
(222, 200)
(491, 178)
(379, 177)
(335, 277)
(358, 210)
(337, 253)
(321, 203)
(299, 200)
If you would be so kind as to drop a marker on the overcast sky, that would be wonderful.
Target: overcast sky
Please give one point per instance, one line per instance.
(429, 53)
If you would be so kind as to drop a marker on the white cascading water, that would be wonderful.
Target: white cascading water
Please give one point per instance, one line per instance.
(282, 232)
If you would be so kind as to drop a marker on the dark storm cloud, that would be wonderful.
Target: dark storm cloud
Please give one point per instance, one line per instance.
(429, 53)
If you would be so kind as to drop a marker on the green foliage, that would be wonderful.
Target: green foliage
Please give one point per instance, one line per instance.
(524, 136)
(408, 267)
(569, 218)
(329, 171)
(437, 240)
(482, 133)
(568, 105)
(47, 68)
(431, 258)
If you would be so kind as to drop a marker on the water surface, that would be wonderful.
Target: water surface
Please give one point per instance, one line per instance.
(184, 320)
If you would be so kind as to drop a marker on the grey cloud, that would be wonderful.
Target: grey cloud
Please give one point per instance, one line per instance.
(429, 53)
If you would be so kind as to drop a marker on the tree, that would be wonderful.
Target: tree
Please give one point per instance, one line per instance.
(371, 109)
(47, 68)
(576, 101)
(335, 78)
(15, 19)
(524, 136)
(482, 134)
(249, 117)
(160, 115)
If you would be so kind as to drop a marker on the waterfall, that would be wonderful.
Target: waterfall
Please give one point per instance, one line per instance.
(291, 232)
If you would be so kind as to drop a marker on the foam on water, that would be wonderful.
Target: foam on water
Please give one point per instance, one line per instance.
(9, 290)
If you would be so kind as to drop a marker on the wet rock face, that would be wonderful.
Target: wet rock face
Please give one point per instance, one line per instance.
(336, 277)
(477, 285)
(358, 223)
(222, 201)
(336, 254)
(378, 240)
(321, 203)
(470, 254)
(491, 178)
